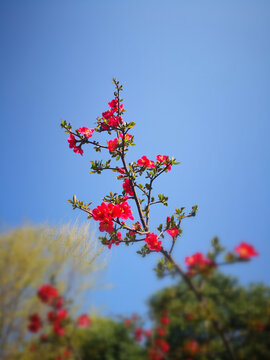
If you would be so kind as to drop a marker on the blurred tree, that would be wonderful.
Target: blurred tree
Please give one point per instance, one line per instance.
(31, 256)
(243, 312)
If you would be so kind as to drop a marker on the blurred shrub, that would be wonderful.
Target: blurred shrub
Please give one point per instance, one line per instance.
(107, 339)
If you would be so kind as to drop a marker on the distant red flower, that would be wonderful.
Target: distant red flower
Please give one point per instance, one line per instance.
(245, 251)
(190, 317)
(165, 320)
(128, 188)
(62, 314)
(47, 293)
(161, 331)
(35, 323)
(147, 333)
(127, 322)
(152, 242)
(138, 334)
(59, 303)
(199, 262)
(43, 338)
(67, 352)
(191, 347)
(173, 232)
(58, 329)
(51, 316)
(163, 345)
(83, 320)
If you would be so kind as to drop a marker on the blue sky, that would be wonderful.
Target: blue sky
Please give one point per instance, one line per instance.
(196, 81)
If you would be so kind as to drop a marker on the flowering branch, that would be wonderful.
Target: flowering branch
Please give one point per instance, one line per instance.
(115, 210)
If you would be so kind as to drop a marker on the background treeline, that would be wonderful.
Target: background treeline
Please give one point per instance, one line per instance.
(69, 257)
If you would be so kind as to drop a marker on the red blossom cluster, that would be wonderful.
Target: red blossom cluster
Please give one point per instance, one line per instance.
(35, 323)
(107, 212)
(164, 159)
(153, 243)
(128, 188)
(199, 263)
(111, 117)
(161, 160)
(145, 162)
(161, 347)
(47, 293)
(57, 317)
(73, 142)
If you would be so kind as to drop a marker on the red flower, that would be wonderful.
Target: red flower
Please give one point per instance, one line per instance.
(128, 188)
(85, 131)
(165, 320)
(115, 121)
(35, 323)
(154, 354)
(245, 251)
(107, 114)
(161, 331)
(199, 262)
(127, 136)
(127, 322)
(173, 232)
(47, 293)
(104, 126)
(83, 320)
(72, 141)
(113, 104)
(62, 314)
(67, 352)
(152, 242)
(164, 159)
(145, 162)
(112, 145)
(125, 211)
(51, 316)
(72, 144)
(162, 345)
(138, 334)
(58, 329)
(59, 303)
(106, 226)
(191, 347)
(43, 338)
(147, 333)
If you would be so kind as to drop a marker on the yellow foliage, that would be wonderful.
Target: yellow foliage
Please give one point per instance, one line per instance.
(31, 256)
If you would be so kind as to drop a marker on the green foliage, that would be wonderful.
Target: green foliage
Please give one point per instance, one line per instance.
(107, 339)
(243, 313)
